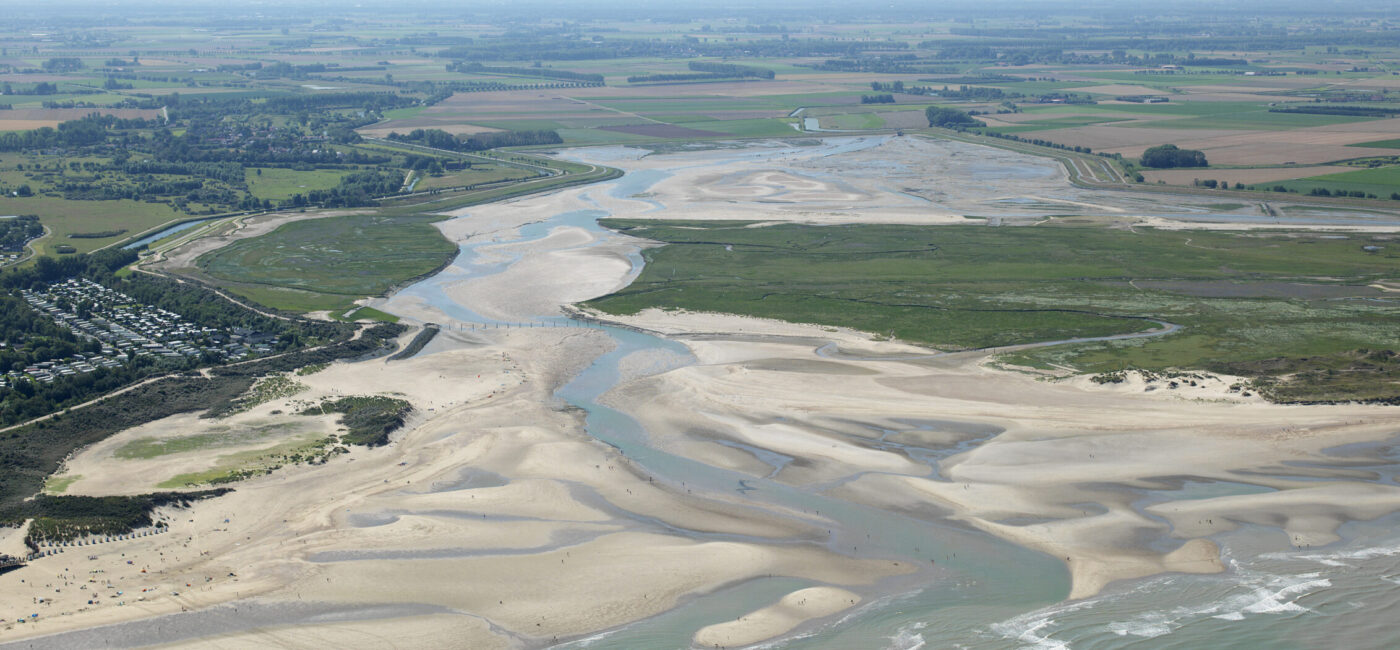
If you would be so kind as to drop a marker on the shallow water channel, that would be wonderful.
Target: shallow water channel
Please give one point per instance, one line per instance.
(982, 592)
(978, 591)
(972, 569)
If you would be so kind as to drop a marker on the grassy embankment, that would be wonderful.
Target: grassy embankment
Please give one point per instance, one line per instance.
(1291, 309)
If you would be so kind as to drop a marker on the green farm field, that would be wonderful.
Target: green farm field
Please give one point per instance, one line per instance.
(1254, 120)
(1378, 144)
(279, 183)
(1381, 182)
(1196, 115)
(65, 217)
(477, 175)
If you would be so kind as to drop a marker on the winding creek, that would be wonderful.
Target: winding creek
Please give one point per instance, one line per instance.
(971, 590)
(982, 592)
(973, 569)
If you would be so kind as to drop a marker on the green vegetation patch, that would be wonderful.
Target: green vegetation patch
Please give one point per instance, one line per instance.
(66, 217)
(477, 175)
(246, 464)
(1253, 120)
(280, 183)
(312, 369)
(64, 518)
(370, 313)
(1379, 182)
(1340, 377)
(854, 121)
(600, 136)
(1071, 121)
(60, 484)
(357, 255)
(293, 300)
(979, 287)
(419, 342)
(370, 420)
(34, 452)
(1378, 144)
(267, 389)
(146, 448)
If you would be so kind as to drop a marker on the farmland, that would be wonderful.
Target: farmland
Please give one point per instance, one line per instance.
(1248, 108)
(337, 109)
(281, 184)
(891, 333)
(1380, 181)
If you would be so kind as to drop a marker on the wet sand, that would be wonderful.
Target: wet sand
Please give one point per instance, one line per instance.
(495, 520)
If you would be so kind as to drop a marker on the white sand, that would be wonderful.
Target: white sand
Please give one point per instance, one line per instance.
(777, 619)
(1066, 443)
(534, 561)
(495, 503)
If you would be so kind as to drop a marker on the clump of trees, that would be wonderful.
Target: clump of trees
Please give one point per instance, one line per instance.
(950, 118)
(16, 232)
(537, 71)
(1167, 156)
(706, 71)
(1352, 111)
(730, 69)
(63, 64)
(675, 77)
(369, 420)
(439, 139)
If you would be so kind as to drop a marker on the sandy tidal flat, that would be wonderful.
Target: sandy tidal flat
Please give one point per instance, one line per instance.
(503, 515)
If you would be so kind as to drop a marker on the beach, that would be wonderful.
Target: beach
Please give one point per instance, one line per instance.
(731, 479)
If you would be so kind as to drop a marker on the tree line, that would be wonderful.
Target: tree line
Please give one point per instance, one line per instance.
(439, 139)
(730, 69)
(566, 48)
(1324, 109)
(676, 77)
(356, 190)
(70, 134)
(548, 73)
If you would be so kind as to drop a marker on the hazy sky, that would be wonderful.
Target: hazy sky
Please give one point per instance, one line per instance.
(804, 8)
